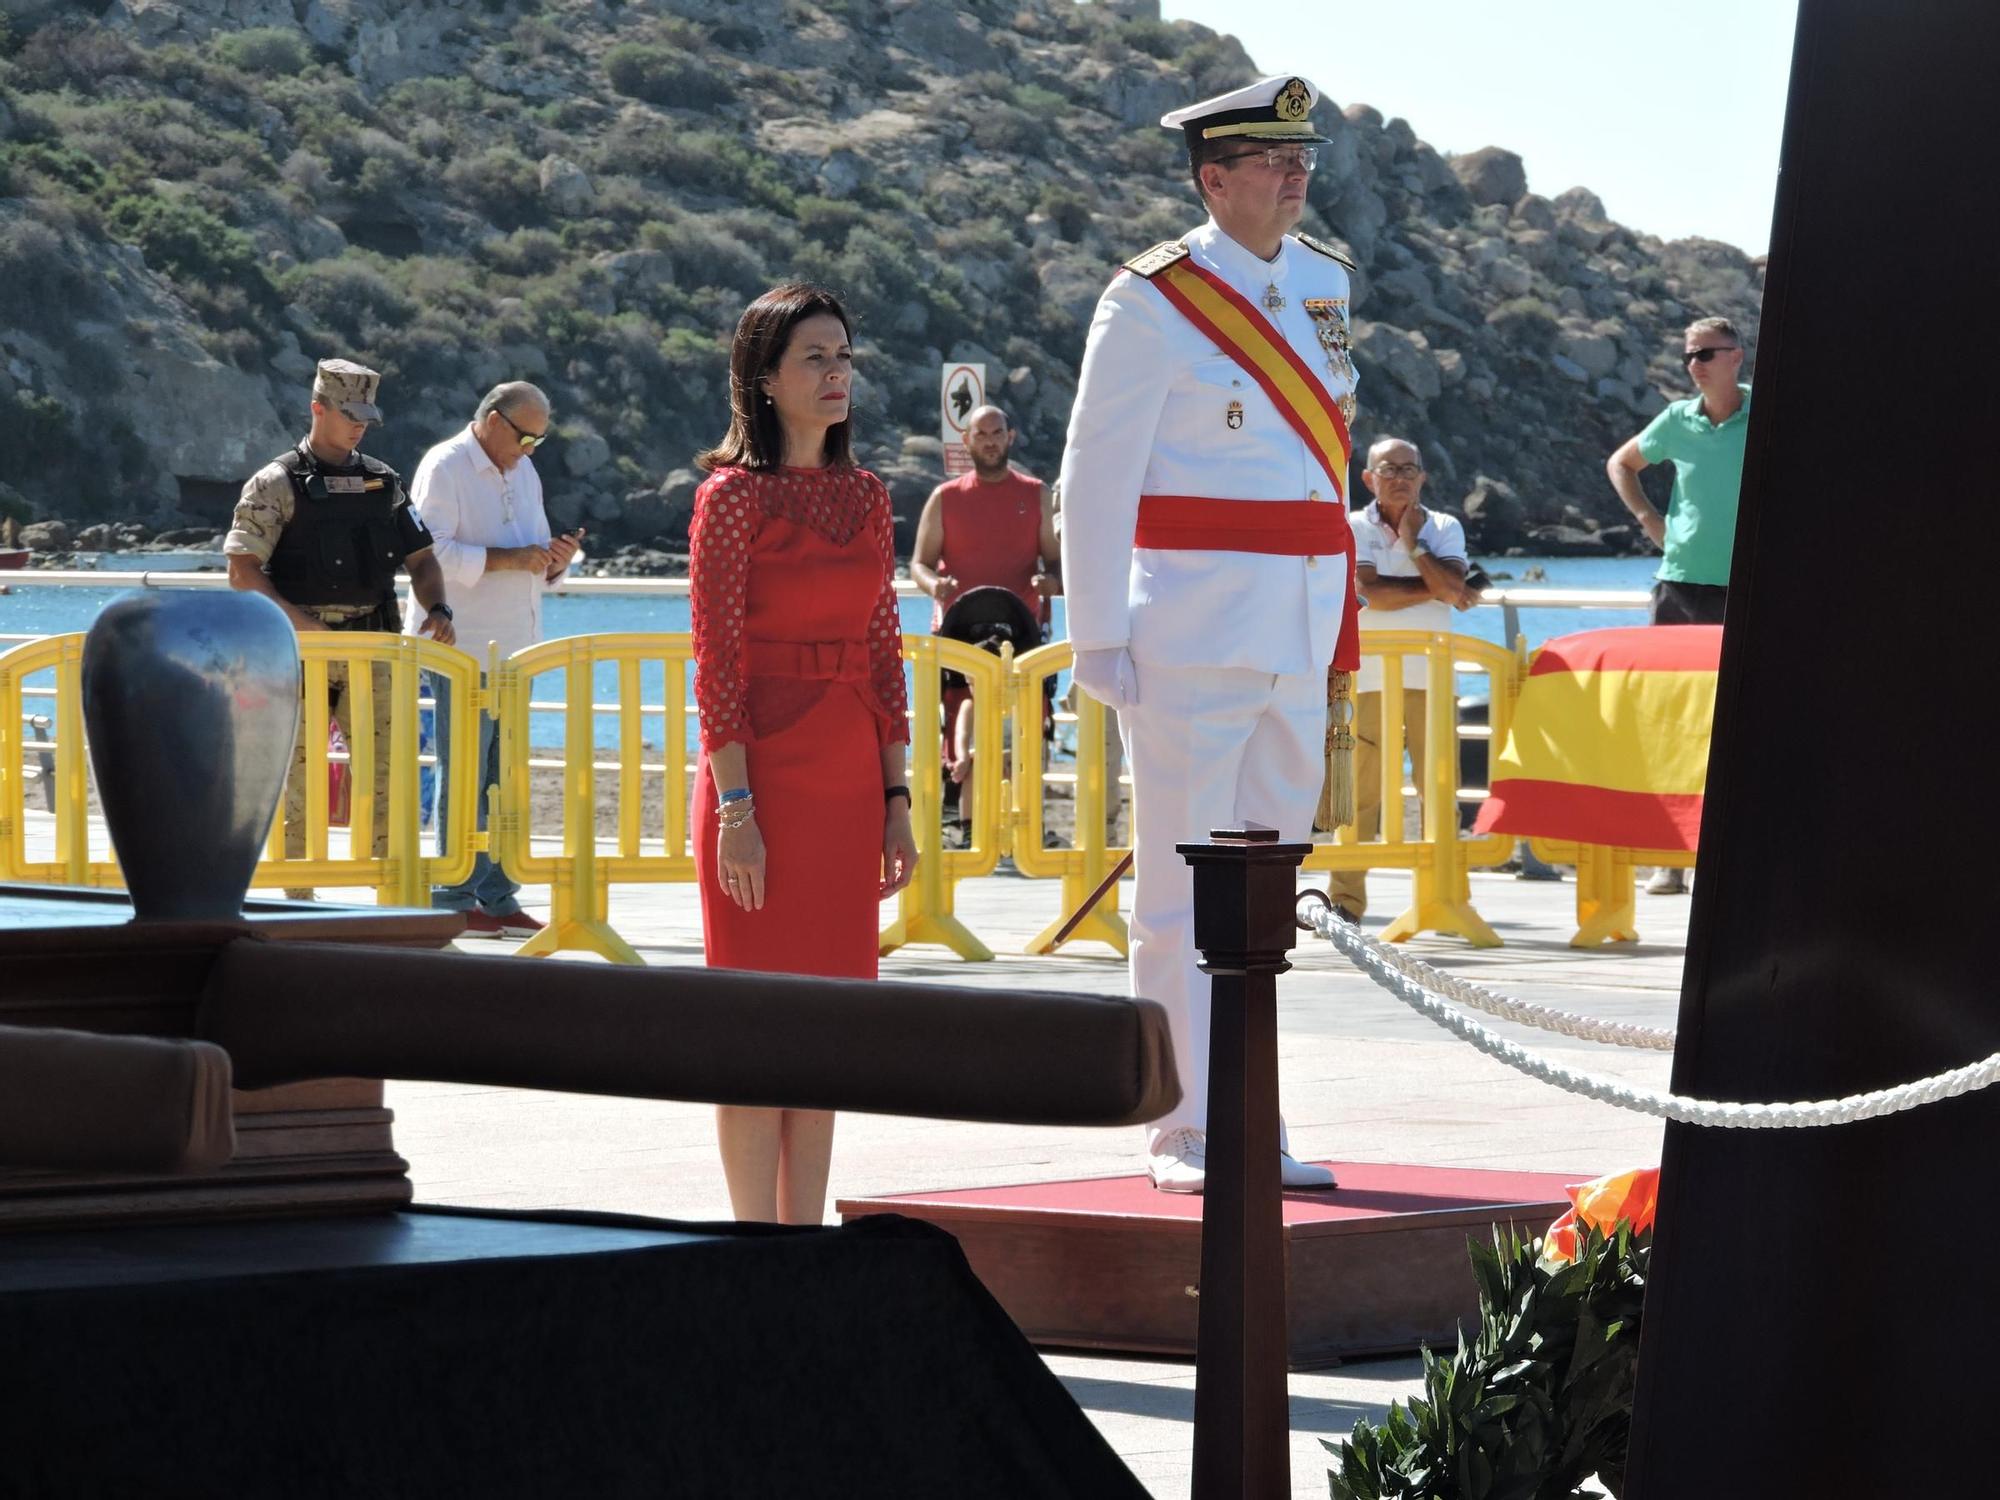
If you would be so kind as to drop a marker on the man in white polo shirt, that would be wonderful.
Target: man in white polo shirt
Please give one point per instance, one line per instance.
(481, 498)
(1409, 567)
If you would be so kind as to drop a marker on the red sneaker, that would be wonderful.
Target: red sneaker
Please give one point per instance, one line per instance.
(518, 924)
(480, 925)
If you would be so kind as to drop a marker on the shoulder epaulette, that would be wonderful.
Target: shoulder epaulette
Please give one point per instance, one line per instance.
(1324, 249)
(1149, 263)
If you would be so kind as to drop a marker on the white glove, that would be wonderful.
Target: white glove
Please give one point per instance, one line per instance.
(1108, 676)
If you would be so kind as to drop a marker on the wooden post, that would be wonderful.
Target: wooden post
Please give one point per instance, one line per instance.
(1244, 881)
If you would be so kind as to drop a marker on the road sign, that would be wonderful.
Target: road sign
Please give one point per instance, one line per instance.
(961, 392)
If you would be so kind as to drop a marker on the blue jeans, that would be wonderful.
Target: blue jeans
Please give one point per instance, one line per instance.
(487, 887)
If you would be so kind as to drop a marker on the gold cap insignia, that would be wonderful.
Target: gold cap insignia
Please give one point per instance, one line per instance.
(1294, 100)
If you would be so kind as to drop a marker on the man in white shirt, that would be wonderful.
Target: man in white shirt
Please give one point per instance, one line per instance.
(1409, 566)
(481, 498)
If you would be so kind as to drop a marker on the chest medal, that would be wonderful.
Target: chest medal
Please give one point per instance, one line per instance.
(1329, 319)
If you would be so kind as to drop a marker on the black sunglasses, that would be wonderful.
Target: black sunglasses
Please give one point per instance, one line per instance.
(1703, 356)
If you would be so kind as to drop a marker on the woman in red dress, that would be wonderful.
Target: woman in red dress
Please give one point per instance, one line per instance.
(801, 813)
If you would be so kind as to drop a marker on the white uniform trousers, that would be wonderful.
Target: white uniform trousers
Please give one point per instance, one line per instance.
(1209, 747)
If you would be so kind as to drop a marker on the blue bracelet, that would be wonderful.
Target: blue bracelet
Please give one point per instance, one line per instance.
(735, 794)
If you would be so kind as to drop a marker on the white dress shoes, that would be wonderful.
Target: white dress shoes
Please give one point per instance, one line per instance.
(1178, 1163)
(1301, 1174)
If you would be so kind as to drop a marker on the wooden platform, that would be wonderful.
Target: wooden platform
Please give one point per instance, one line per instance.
(1378, 1265)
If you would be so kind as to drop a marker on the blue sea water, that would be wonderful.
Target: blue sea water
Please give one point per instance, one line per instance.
(33, 610)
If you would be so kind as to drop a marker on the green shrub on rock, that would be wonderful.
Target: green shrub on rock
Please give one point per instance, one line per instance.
(345, 294)
(666, 77)
(271, 51)
(186, 241)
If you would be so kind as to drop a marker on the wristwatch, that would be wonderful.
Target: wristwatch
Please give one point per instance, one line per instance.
(440, 609)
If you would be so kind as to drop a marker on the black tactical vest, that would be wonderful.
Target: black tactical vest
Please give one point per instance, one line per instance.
(342, 546)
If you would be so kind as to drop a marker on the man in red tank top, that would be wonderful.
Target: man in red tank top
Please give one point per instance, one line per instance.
(992, 527)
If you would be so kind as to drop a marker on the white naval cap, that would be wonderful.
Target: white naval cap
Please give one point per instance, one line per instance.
(1278, 108)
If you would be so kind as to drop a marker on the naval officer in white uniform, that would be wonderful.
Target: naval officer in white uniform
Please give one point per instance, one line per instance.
(1206, 617)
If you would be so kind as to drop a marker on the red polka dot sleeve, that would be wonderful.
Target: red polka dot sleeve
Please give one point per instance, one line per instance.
(726, 517)
(885, 629)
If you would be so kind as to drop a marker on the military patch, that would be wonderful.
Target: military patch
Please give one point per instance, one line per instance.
(1151, 262)
(1294, 101)
(343, 484)
(1324, 249)
(1232, 418)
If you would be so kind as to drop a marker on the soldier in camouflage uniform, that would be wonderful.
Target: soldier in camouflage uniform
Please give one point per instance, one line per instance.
(321, 531)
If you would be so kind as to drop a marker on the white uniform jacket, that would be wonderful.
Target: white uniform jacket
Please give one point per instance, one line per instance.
(1160, 410)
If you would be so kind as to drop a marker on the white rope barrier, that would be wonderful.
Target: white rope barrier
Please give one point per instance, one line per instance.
(1366, 954)
(1478, 997)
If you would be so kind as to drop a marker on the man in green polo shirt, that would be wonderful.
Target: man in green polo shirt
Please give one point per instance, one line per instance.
(1703, 438)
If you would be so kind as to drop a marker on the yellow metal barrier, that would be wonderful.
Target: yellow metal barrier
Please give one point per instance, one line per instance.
(73, 864)
(1087, 861)
(1607, 908)
(580, 876)
(1010, 812)
(401, 875)
(1439, 859)
(924, 909)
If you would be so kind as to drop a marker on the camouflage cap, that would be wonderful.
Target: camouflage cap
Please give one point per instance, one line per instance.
(348, 388)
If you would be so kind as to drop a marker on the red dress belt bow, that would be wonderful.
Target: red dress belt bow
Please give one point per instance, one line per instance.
(820, 661)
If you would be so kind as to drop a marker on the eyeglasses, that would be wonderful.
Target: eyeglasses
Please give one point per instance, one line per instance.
(530, 441)
(1398, 471)
(1703, 356)
(1278, 158)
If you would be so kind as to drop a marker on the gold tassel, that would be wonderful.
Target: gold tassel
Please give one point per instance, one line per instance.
(1337, 803)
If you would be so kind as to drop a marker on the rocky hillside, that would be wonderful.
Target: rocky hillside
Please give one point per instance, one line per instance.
(198, 198)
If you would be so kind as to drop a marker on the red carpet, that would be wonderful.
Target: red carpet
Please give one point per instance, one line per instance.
(1377, 1264)
(1367, 1190)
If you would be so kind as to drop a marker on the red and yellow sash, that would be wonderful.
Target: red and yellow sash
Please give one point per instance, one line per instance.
(1246, 336)
(1294, 527)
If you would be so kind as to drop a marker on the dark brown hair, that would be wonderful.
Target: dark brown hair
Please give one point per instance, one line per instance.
(755, 440)
(1200, 154)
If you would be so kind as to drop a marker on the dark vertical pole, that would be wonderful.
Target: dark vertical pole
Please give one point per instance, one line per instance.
(1243, 902)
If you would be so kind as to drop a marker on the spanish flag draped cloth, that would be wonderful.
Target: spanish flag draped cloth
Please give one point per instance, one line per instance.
(1609, 743)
